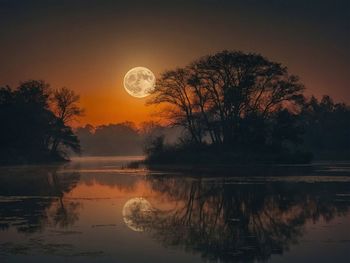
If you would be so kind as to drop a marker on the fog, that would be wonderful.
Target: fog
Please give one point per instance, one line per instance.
(121, 138)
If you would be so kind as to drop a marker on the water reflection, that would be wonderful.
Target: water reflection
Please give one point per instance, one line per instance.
(230, 221)
(222, 219)
(31, 197)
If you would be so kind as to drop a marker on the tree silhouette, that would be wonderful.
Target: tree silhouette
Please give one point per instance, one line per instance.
(30, 130)
(327, 127)
(233, 101)
(65, 104)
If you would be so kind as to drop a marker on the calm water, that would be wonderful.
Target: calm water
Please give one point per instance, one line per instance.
(94, 210)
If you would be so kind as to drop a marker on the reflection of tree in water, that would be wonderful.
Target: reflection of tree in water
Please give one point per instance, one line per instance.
(63, 213)
(241, 222)
(32, 197)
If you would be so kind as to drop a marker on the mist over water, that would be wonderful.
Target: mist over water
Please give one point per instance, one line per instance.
(96, 210)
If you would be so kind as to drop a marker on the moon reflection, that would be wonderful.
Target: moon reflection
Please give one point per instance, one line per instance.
(137, 212)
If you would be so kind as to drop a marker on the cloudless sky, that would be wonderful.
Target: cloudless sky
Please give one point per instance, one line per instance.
(89, 45)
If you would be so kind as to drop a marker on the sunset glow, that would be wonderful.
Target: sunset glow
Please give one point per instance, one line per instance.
(89, 49)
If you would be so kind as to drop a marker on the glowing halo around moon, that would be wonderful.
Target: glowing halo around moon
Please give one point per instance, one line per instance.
(139, 82)
(137, 213)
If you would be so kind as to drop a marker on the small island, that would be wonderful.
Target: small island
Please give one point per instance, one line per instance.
(241, 108)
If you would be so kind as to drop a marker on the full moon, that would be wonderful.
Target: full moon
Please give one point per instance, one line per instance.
(139, 82)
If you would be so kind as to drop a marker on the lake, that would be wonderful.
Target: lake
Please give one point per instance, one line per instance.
(97, 210)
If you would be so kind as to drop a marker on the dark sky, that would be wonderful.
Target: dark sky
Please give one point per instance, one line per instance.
(89, 45)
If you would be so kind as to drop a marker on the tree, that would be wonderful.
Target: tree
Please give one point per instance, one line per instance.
(66, 108)
(65, 104)
(30, 130)
(216, 95)
(25, 119)
(327, 127)
(173, 89)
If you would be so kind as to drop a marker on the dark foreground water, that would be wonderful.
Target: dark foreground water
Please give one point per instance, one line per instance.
(92, 210)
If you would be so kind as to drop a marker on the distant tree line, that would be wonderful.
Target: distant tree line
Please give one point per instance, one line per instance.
(247, 107)
(326, 127)
(111, 139)
(35, 123)
(123, 138)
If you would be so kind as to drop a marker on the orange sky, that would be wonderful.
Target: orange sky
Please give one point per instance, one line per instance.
(118, 107)
(88, 46)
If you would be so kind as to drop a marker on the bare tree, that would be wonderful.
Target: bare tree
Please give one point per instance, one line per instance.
(66, 104)
(173, 89)
(215, 93)
(66, 108)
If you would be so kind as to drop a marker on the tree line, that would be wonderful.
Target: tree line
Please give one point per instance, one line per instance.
(35, 123)
(227, 107)
(237, 102)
